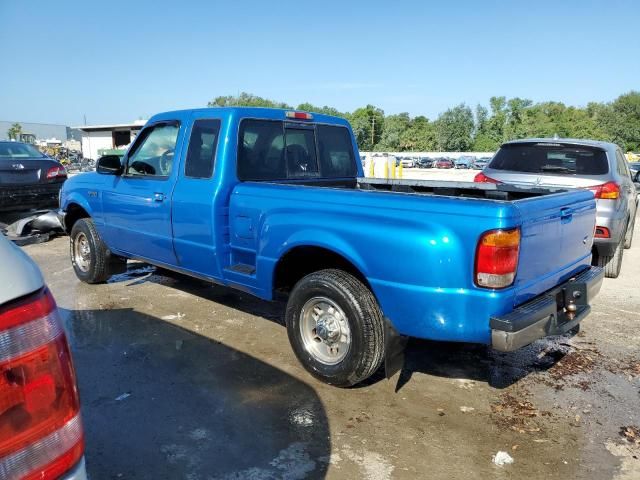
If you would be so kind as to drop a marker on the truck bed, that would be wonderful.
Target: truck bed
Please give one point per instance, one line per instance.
(433, 187)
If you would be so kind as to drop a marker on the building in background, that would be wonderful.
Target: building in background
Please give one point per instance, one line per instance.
(98, 140)
(41, 132)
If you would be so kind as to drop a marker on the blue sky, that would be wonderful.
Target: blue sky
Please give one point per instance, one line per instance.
(116, 60)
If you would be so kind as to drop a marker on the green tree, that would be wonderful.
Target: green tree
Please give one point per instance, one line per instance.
(367, 124)
(419, 137)
(245, 100)
(14, 131)
(309, 107)
(621, 121)
(454, 129)
(394, 127)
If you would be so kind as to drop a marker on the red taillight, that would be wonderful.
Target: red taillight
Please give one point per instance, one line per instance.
(606, 191)
(602, 232)
(56, 172)
(40, 429)
(482, 178)
(299, 115)
(497, 258)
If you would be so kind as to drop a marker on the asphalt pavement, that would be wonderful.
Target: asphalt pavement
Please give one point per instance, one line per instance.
(181, 379)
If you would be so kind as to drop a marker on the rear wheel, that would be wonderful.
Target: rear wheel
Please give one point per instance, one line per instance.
(612, 263)
(91, 259)
(335, 327)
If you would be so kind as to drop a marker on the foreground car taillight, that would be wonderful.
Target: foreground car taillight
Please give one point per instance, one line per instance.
(497, 258)
(41, 434)
(482, 178)
(56, 172)
(606, 191)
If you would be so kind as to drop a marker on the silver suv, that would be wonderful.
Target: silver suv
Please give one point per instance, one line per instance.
(566, 163)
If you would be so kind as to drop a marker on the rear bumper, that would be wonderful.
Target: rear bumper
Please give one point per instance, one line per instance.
(77, 473)
(27, 197)
(552, 313)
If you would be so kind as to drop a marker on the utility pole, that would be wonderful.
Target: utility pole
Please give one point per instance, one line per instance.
(373, 130)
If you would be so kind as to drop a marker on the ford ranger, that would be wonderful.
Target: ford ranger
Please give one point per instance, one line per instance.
(274, 203)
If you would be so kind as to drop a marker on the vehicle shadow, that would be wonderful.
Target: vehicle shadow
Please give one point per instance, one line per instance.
(479, 362)
(443, 359)
(161, 402)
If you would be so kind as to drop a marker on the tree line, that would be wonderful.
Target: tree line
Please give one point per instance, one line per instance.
(482, 129)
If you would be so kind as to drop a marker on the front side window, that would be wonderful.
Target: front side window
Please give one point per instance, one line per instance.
(202, 149)
(154, 151)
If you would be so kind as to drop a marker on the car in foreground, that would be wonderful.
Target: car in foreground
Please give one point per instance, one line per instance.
(444, 163)
(41, 435)
(600, 167)
(28, 178)
(274, 203)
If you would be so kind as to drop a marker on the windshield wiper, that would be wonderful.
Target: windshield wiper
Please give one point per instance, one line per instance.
(554, 168)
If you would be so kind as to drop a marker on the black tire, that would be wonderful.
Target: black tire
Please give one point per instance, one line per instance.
(612, 263)
(628, 237)
(363, 315)
(100, 264)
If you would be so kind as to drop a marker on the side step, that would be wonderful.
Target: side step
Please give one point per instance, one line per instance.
(242, 268)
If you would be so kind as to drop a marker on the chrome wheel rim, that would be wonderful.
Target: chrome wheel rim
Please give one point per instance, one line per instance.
(82, 252)
(325, 331)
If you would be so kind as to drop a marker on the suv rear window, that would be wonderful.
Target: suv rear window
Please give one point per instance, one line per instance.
(275, 150)
(553, 159)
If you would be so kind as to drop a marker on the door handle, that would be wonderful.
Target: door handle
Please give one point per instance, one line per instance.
(158, 197)
(566, 214)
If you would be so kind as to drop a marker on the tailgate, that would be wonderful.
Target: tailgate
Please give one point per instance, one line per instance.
(556, 241)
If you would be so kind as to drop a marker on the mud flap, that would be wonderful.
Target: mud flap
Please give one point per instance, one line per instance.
(394, 346)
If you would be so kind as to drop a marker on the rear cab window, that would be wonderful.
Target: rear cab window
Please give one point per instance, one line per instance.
(551, 159)
(275, 150)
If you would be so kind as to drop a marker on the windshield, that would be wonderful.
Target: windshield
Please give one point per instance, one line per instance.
(19, 150)
(551, 159)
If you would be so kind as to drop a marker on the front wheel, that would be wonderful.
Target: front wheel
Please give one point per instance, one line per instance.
(91, 259)
(335, 327)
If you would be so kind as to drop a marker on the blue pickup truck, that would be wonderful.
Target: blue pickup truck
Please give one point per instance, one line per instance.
(274, 203)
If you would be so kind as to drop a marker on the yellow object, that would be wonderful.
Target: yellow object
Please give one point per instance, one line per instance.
(386, 169)
(393, 168)
(400, 170)
(502, 238)
(371, 167)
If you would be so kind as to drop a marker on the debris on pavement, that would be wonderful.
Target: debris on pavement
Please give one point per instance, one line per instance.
(502, 458)
(119, 398)
(464, 409)
(35, 227)
(631, 434)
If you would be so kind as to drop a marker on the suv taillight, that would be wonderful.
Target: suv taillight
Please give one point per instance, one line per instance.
(41, 434)
(56, 172)
(482, 178)
(606, 191)
(497, 258)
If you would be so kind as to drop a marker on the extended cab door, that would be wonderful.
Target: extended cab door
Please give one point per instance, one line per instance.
(193, 206)
(137, 208)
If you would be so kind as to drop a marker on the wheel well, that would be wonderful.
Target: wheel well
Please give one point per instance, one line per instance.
(301, 261)
(74, 213)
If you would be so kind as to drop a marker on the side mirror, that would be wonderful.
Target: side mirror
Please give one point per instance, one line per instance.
(109, 165)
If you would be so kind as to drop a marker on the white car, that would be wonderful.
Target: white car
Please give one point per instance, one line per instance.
(41, 434)
(408, 162)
